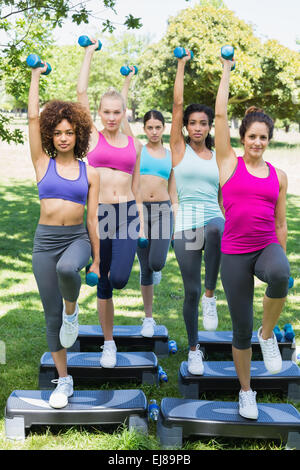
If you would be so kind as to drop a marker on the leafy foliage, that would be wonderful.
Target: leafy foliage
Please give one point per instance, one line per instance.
(28, 25)
(265, 73)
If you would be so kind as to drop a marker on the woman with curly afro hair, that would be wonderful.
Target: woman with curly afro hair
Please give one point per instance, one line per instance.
(62, 245)
(116, 158)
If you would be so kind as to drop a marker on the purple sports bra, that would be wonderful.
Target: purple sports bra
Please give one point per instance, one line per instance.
(54, 186)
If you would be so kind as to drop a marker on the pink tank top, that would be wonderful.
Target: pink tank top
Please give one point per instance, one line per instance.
(108, 156)
(249, 204)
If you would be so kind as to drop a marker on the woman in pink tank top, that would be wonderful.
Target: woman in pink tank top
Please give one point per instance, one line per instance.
(116, 158)
(254, 240)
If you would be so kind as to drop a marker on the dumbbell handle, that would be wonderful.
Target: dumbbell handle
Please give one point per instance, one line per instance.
(34, 61)
(125, 70)
(91, 278)
(227, 52)
(180, 52)
(85, 41)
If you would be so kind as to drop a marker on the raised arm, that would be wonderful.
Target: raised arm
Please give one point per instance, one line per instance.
(177, 142)
(83, 79)
(126, 128)
(226, 157)
(35, 141)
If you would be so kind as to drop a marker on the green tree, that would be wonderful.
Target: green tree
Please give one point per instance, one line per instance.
(265, 73)
(28, 26)
(116, 51)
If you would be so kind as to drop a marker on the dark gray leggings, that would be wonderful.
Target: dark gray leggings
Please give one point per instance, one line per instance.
(158, 227)
(188, 246)
(59, 253)
(237, 273)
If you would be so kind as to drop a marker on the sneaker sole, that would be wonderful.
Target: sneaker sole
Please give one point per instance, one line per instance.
(247, 417)
(195, 373)
(147, 336)
(61, 406)
(210, 329)
(108, 367)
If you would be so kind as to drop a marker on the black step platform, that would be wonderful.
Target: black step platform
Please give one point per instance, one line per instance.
(221, 341)
(25, 408)
(139, 367)
(125, 336)
(222, 376)
(181, 419)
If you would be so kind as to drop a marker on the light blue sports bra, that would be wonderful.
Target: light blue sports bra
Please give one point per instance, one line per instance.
(155, 166)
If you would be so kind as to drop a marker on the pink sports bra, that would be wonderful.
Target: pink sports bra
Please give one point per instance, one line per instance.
(108, 156)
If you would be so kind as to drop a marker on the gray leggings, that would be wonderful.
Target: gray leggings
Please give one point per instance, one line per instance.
(237, 273)
(59, 253)
(158, 226)
(188, 246)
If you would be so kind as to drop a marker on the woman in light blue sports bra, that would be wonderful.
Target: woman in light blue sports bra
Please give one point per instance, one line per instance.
(199, 219)
(158, 188)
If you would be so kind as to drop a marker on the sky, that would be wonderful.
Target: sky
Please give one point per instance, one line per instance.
(273, 19)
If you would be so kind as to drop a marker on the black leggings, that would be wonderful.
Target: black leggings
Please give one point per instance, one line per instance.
(119, 226)
(237, 273)
(188, 246)
(158, 226)
(59, 253)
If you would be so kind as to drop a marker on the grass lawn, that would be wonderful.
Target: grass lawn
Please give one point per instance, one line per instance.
(22, 328)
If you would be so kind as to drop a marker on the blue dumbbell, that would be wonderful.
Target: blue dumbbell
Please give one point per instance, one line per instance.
(289, 332)
(162, 374)
(34, 61)
(278, 333)
(125, 70)
(227, 52)
(91, 278)
(153, 410)
(143, 242)
(85, 41)
(172, 346)
(291, 282)
(180, 52)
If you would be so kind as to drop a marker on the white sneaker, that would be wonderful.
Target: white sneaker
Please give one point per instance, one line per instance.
(247, 404)
(148, 327)
(195, 363)
(64, 390)
(69, 329)
(270, 352)
(156, 277)
(209, 311)
(108, 358)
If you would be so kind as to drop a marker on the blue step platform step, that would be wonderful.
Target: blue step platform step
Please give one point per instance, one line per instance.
(181, 419)
(25, 408)
(221, 375)
(221, 341)
(138, 367)
(125, 336)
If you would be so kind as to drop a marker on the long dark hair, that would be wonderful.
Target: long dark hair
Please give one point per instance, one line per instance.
(200, 108)
(154, 114)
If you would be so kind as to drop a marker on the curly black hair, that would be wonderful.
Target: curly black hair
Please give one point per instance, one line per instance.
(53, 113)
